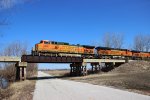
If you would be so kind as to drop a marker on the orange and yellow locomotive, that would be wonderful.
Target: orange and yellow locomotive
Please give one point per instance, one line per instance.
(53, 48)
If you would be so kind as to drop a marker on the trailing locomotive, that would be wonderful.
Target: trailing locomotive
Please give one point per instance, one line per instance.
(105, 52)
(53, 48)
(140, 55)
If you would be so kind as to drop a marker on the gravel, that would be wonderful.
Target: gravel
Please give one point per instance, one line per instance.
(134, 66)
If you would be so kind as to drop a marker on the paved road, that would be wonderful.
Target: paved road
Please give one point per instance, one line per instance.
(57, 89)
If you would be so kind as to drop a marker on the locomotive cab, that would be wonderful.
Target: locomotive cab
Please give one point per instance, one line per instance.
(45, 42)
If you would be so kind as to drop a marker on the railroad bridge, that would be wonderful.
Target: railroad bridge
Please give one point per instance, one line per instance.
(78, 65)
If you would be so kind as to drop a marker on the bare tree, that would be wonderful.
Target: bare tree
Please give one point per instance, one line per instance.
(147, 43)
(113, 40)
(13, 49)
(95, 43)
(107, 40)
(117, 40)
(16, 49)
(139, 42)
(32, 69)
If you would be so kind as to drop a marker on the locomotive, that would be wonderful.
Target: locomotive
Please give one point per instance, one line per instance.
(105, 52)
(53, 48)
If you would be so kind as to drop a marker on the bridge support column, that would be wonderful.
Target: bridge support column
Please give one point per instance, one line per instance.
(84, 71)
(108, 66)
(95, 67)
(99, 66)
(21, 71)
(78, 69)
(118, 64)
(127, 60)
(92, 68)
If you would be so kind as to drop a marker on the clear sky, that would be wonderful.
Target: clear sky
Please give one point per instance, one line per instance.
(76, 21)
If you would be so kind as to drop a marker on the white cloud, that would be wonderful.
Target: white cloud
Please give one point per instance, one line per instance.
(7, 4)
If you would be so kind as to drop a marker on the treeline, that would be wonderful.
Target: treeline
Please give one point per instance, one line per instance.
(8, 70)
(141, 42)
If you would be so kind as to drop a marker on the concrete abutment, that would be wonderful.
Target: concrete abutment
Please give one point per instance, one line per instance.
(21, 71)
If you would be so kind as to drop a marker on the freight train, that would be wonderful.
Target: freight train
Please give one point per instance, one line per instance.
(53, 48)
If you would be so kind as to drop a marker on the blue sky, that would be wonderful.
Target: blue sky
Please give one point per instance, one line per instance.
(76, 21)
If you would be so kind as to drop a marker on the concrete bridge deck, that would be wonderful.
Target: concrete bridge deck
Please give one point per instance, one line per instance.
(105, 61)
(102, 60)
(9, 59)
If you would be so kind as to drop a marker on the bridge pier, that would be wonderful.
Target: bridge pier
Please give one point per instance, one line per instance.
(21, 71)
(95, 67)
(108, 66)
(118, 64)
(78, 69)
(111, 65)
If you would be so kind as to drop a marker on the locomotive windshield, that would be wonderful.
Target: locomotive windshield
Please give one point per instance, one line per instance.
(41, 41)
(45, 42)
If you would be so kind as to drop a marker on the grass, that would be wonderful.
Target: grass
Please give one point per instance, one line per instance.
(138, 82)
(63, 72)
(21, 90)
(18, 91)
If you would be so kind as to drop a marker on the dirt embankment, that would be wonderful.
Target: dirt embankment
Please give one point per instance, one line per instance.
(133, 76)
(133, 67)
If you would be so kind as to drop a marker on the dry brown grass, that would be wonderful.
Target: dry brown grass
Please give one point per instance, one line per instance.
(6, 93)
(137, 82)
(23, 90)
(9, 72)
(57, 72)
(18, 91)
(133, 76)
